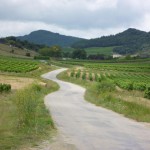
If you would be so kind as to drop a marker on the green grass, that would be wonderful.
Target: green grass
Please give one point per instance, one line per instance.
(102, 94)
(100, 50)
(68, 49)
(94, 50)
(24, 120)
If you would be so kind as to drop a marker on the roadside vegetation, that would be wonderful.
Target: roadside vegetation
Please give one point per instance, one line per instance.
(123, 88)
(24, 119)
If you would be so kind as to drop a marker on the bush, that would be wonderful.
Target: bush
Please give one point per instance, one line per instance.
(72, 73)
(96, 77)
(84, 76)
(90, 76)
(129, 86)
(42, 57)
(78, 74)
(147, 92)
(5, 87)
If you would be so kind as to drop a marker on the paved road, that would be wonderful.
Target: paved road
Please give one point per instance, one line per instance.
(89, 127)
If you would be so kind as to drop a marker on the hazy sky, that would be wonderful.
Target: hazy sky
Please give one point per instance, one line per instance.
(82, 18)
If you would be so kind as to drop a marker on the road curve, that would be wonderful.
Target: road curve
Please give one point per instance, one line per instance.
(89, 127)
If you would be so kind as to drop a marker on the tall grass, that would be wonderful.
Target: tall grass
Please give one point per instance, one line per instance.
(26, 120)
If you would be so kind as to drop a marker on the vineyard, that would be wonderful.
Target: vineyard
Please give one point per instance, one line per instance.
(17, 65)
(128, 76)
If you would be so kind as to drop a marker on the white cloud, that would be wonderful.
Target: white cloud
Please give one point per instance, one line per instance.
(84, 18)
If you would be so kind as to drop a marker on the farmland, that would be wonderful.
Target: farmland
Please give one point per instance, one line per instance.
(16, 65)
(24, 119)
(122, 87)
(94, 50)
(100, 50)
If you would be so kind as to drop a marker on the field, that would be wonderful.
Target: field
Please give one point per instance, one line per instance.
(24, 120)
(6, 50)
(17, 65)
(100, 50)
(94, 50)
(122, 87)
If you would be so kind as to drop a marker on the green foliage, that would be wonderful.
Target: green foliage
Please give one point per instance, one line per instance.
(96, 77)
(79, 53)
(48, 38)
(84, 75)
(104, 86)
(28, 102)
(99, 50)
(101, 94)
(24, 120)
(78, 74)
(127, 42)
(54, 51)
(5, 87)
(72, 74)
(90, 76)
(41, 57)
(14, 65)
(147, 92)
(15, 42)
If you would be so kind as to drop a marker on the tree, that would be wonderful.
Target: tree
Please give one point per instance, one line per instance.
(54, 51)
(79, 53)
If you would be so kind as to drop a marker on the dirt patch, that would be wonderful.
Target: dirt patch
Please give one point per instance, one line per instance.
(16, 82)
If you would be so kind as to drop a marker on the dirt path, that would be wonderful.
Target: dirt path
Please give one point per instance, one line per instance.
(89, 127)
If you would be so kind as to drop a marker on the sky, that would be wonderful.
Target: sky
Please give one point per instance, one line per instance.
(80, 18)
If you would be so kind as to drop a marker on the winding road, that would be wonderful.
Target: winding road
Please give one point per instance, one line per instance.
(89, 127)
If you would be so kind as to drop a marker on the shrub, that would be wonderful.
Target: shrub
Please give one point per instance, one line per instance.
(147, 92)
(78, 74)
(96, 77)
(72, 73)
(84, 76)
(90, 76)
(5, 87)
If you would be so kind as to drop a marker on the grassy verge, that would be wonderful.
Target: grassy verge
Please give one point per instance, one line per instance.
(102, 94)
(24, 120)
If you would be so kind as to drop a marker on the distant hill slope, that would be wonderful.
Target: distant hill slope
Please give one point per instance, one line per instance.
(130, 41)
(49, 38)
(6, 50)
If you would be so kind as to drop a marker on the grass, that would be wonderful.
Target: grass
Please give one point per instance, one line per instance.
(102, 94)
(94, 50)
(100, 50)
(5, 50)
(24, 120)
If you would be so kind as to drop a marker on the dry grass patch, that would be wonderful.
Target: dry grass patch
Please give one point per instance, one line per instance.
(16, 82)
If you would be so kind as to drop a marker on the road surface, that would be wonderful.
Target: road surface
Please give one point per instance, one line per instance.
(89, 127)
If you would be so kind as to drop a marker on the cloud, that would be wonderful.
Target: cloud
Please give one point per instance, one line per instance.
(87, 17)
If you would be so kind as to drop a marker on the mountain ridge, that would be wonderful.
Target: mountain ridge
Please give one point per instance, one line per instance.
(49, 38)
(129, 41)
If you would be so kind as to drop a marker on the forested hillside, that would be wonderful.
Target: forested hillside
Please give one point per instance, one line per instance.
(49, 38)
(14, 42)
(130, 41)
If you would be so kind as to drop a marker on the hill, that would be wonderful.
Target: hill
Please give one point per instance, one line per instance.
(49, 38)
(130, 41)
(6, 50)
